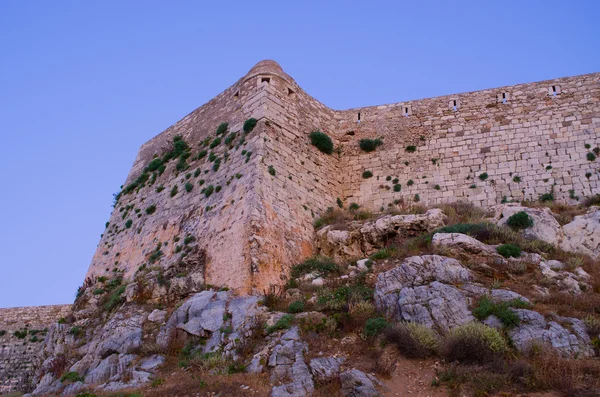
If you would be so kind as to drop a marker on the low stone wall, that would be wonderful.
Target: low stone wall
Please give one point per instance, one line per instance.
(22, 331)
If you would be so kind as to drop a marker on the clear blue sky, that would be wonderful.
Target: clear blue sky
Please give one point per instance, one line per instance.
(83, 84)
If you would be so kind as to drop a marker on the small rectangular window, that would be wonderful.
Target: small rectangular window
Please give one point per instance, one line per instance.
(454, 104)
(358, 118)
(265, 80)
(406, 110)
(502, 98)
(554, 90)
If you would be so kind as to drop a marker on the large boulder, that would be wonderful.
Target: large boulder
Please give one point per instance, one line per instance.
(567, 335)
(288, 369)
(356, 383)
(420, 290)
(545, 226)
(583, 234)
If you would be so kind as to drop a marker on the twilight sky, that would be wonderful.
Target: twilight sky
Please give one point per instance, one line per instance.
(84, 83)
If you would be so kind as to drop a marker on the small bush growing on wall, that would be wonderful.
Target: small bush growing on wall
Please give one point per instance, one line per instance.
(547, 197)
(216, 142)
(222, 128)
(411, 149)
(397, 187)
(339, 202)
(174, 191)
(517, 179)
(410, 182)
(369, 145)
(321, 141)
(249, 125)
(483, 176)
(367, 174)
(208, 190)
(151, 210)
(188, 187)
(591, 156)
(128, 223)
(272, 170)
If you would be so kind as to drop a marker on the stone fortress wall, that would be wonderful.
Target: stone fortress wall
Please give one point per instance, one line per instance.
(18, 355)
(529, 139)
(525, 131)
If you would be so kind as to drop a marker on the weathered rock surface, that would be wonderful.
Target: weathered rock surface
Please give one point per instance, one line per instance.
(583, 234)
(288, 369)
(570, 282)
(419, 290)
(567, 335)
(325, 369)
(356, 383)
(467, 248)
(545, 226)
(361, 239)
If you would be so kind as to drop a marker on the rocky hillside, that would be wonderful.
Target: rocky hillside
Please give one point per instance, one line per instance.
(453, 300)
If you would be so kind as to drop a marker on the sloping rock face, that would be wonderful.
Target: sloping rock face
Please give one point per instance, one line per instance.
(583, 234)
(362, 239)
(421, 290)
(289, 372)
(356, 383)
(545, 226)
(111, 359)
(206, 314)
(567, 335)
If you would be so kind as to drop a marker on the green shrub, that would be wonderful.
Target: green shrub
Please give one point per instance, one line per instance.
(321, 141)
(413, 340)
(353, 207)
(417, 198)
(151, 209)
(483, 176)
(76, 331)
(115, 298)
(230, 138)
(188, 187)
(369, 145)
(590, 156)
(339, 202)
(516, 179)
(397, 187)
(208, 190)
(235, 368)
(2, 332)
(98, 291)
(222, 128)
(374, 326)
(71, 377)
(128, 223)
(284, 322)
(201, 155)
(217, 188)
(249, 125)
(367, 174)
(174, 191)
(437, 187)
(473, 343)
(410, 182)
(320, 265)
(411, 149)
(487, 307)
(272, 170)
(216, 142)
(189, 239)
(520, 220)
(21, 334)
(296, 307)
(216, 164)
(546, 197)
(383, 253)
(509, 250)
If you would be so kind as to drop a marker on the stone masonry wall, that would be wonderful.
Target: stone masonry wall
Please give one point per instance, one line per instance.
(532, 144)
(17, 355)
(529, 139)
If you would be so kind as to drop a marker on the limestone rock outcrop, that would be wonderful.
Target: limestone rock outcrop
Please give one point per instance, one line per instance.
(362, 239)
(583, 234)
(421, 290)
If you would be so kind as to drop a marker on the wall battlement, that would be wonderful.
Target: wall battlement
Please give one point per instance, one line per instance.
(510, 143)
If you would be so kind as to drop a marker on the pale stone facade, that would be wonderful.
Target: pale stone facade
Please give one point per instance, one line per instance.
(529, 139)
